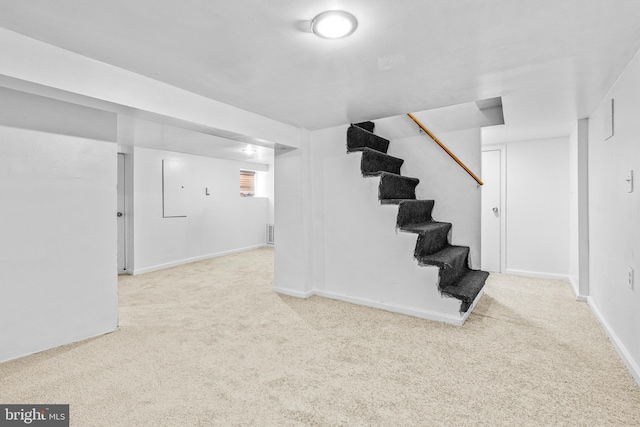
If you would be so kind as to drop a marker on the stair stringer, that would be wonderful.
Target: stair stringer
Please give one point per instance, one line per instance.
(366, 260)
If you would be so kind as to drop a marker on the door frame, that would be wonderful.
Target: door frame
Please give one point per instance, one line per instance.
(122, 186)
(502, 148)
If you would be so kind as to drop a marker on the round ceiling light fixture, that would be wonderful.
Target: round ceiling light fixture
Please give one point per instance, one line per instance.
(334, 24)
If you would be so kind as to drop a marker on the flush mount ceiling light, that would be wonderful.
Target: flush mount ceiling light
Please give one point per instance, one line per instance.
(248, 150)
(334, 24)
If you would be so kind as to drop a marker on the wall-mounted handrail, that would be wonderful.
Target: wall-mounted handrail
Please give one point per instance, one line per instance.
(453, 156)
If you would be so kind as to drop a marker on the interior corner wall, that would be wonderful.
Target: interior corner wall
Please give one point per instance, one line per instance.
(614, 228)
(293, 254)
(574, 258)
(58, 269)
(215, 224)
(538, 208)
(579, 209)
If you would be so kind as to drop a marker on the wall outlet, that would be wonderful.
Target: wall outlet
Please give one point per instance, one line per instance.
(630, 278)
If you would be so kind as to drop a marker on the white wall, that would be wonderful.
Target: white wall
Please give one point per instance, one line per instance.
(293, 258)
(57, 224)
(614, 236)
(219, 223)
(456, 193)
(335, 239)
(537, 208)
(32, 65)
(579, 209)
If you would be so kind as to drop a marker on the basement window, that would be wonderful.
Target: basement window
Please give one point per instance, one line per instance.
(247, 183)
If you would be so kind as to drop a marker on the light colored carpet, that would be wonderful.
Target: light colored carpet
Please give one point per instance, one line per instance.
(210, 344)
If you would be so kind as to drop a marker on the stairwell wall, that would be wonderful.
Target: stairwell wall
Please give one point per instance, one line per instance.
(614, 229)
(456, 194)
(335, 239)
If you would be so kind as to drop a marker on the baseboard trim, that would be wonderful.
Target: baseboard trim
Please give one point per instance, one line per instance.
(538, 274)
(292, 293)
(576, 292)
(617, 344)
(423, 314)
(194, 259)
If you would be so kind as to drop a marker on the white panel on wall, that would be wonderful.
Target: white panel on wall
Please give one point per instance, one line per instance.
(174, 192)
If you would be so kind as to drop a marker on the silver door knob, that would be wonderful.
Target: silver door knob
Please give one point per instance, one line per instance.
(119, 214)
(495, 210)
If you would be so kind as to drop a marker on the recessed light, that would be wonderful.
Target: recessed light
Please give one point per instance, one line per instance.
(248, 150)
(334, 24)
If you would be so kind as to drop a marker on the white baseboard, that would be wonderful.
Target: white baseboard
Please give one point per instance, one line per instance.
(617, 344)
(194, 259)
(457, 320)
(292, 293)
(538, 274)
(576, 291)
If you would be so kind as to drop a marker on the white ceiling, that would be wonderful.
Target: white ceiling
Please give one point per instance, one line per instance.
(551, 61)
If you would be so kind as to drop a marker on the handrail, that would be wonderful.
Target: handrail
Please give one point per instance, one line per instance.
(453, 156)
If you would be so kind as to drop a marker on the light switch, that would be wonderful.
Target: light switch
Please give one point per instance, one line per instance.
(630, 182)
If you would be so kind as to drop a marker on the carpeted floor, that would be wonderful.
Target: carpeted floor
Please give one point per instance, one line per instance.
(210, 344)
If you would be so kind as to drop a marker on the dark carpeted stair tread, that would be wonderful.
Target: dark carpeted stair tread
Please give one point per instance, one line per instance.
(432, 237)
(358, 137)
(400, 177)
(392, 201)
(414, 212)
(374, 162)
(426, 227)
(394, 186)
(366, 125)
(467, 287)
(447, 257)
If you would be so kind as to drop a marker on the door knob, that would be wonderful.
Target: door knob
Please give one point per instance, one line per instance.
(495, 210)
(119, 214)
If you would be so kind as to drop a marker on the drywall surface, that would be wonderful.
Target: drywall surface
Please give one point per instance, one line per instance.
(574, 240)
(614, 226)
(336, 240)
(579, 209)
(58, 72)
(456, 193)
(58, 270)
(291, 225)
(215, 224)
(365, 259)
(537, 210)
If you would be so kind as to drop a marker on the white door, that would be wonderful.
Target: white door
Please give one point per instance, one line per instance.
(122, 256)
(491, 211)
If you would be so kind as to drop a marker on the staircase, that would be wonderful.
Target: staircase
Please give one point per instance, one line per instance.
(432, 248)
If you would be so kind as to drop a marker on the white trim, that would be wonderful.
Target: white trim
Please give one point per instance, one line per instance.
(423, 314)
(617, 344)
(292, 293)
(456, 320)
(502, 148)
(539, 274)
(576, 291)
(194, 259)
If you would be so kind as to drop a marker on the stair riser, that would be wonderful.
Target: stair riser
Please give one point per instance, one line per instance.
(396, 188)
(431, 242)
(449, 273)
(366, 125)
(414, 212)
(358, 138)
(373, 163)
